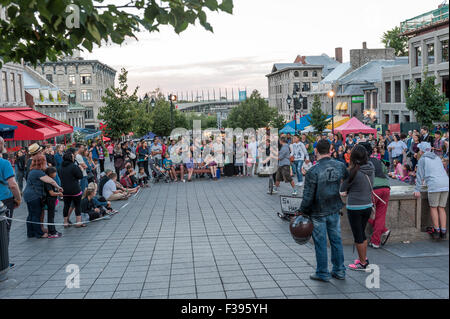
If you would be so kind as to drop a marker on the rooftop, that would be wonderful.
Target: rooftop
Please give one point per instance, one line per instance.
(426, 20)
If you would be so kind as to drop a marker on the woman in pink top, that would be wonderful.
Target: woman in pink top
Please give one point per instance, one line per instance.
(110, 149)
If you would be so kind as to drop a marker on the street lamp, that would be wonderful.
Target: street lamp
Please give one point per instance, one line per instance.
(289, 101)
(331, 95)
(295, 97)
(153, 103)
(172, 98)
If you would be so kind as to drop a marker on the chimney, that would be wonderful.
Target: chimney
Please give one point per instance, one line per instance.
(300, 59)
(338, 54)
(364, 45)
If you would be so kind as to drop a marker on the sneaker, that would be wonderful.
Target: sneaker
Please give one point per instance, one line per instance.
(374, 246)
(357, 265)
(275, 191)
(443, 235)
(11, 265)
(55, 235)
(294, 193)
(337, 276)
(435, 235)
(386, 235)
(317, 278)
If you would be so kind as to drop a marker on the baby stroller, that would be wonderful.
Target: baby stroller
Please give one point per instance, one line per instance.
(158, 173)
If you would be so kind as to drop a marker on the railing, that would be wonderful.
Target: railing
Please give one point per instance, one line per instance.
(426, 19)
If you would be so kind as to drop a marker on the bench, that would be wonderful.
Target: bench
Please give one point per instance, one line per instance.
(196, 171)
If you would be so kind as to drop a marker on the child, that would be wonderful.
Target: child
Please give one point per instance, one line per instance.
(306, 166)
(51, 202)
(168, 167)
(189, 161)
(88, 206)
(347, 156)
(376, 153)
(142, 177)
(100, 200)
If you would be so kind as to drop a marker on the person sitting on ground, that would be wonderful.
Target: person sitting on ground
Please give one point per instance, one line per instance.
(110, 191)
(88, 206)
(100, 200)
(128, 179)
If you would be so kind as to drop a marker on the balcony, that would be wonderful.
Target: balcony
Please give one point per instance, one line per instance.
(425, 21)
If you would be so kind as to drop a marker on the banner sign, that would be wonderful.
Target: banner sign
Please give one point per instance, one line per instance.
(358, 99)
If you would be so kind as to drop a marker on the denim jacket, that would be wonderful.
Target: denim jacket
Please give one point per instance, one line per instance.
(321, 193)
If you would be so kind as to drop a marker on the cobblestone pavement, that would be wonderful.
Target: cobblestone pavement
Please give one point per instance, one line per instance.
(205, 239)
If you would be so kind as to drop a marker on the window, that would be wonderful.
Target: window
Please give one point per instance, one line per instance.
(386, 118)
(398, 91)
(374, 100)
(396, 118)
(89, 114)
(306, 87)
(387, 88)
(49, 77)
(314, 74)
(19, 79)
(5, 87)
(418, 52)
(72, 97)
(305, 74)
(13, 86)
(296, 74)
(430, 53)
(407, 118)
(86, 95)
(85, 78)
(72, 80)
(297, 86)
(444, 45)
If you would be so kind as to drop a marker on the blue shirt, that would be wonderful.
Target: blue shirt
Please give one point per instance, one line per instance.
(35, 187)
(6, 172)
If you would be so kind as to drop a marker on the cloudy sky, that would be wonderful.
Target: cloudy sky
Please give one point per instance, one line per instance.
(244, 46)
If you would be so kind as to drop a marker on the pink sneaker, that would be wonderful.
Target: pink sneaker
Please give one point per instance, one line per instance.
(357, 265)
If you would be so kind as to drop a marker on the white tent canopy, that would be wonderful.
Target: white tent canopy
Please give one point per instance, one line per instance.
(311, 129)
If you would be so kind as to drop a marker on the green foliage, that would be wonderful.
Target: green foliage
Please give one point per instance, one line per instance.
(119, 112)
(394, 39)
(208, 121)
(278, 122)
(252, 113)
(318, 117)
(426, 101)
(160, 118)
(37, 30)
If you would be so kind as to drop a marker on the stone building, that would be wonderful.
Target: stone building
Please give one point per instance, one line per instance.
(428, 51)
(303, 76)
(84, 80)
(12, 92)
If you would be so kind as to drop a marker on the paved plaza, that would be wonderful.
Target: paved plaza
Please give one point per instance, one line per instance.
(205, 239)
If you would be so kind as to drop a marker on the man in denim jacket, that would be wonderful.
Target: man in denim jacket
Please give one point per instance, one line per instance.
(322, 202)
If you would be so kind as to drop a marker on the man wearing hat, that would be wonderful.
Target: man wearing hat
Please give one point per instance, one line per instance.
(431, 172)
(9, 190)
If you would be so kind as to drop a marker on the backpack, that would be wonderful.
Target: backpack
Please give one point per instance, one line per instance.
(126, 181)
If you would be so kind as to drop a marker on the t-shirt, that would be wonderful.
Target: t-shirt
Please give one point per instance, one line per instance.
(80, 161)
(397, 148)
(109, 188)
(307, 166)
(6, 172)
(35, 187)
(167, 163)
(156, 148)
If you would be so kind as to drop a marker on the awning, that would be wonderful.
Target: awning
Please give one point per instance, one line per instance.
(7, 131)
(344, 106)
(32, 125)
(338, 121)
(338, 106)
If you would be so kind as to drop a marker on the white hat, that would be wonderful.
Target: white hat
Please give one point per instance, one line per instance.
(424, 146)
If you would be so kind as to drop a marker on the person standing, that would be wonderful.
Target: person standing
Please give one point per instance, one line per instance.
(425, 135)
(438, 145)
(9, 190)
(19, 165)
(299, 152)
(358, 190)
(79, 160)
(322, 202)
(143, 155)
(284, 167)
(397, 148)
(110, 149)
(431, 172)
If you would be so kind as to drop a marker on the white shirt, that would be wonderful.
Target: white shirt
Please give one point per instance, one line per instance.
(80, 161)
(109, 188)
(397, 148)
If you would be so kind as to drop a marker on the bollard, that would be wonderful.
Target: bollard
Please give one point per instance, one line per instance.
(4, 255)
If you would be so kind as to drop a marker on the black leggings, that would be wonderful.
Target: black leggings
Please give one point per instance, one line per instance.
(358, 222)
(76, 202)
(51, 205)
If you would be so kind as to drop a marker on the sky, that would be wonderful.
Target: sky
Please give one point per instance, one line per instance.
(245, 45)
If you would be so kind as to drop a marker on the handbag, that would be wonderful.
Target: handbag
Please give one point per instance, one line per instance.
(132, 155)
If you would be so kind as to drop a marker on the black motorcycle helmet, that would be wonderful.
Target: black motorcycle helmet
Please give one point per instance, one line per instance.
(301, 228)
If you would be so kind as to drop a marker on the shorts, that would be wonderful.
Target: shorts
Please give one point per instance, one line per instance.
(284, 173)
(189, 165)
(438, 199)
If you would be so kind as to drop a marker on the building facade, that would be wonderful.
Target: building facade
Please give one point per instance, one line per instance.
(303, 76)
(84, 80)
(428, 52)
(12, 92)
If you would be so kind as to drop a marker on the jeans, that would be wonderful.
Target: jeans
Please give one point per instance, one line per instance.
(34, 215)
(20, 175)
(297, 169)
(83, 183)
(322, 226)
(98, 202)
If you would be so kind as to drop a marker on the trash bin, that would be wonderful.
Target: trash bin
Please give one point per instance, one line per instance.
(218, 173)
(4, 255)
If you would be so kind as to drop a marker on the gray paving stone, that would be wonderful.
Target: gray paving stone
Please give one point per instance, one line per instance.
(127, 294)
(240, 294)
(268, 292)
(209, 288)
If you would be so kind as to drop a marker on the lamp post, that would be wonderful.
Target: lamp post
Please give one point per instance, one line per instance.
(172, 98)
(331, 95)
(295, 97)
(153, 103)
(289, 101)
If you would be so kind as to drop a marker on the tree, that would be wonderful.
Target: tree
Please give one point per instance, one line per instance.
(252, 113)
(278, 122)
(426, 101)
(318, 117)
(207, 121)
(394, 39)
(160, 119)
(47, 29)
(120, 109)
